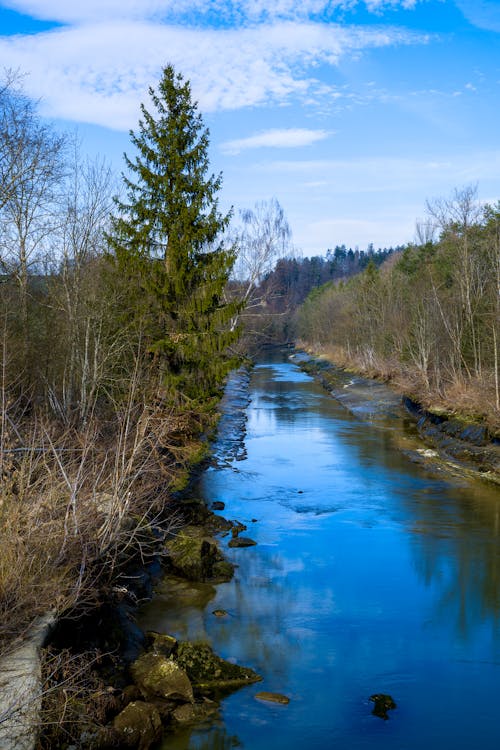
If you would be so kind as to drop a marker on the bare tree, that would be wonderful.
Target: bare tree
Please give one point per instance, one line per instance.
(31, 172)
(456, 216)
(264, 237)
(84, 216)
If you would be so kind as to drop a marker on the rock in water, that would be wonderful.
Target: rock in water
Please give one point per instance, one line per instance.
(272, 697)
(157, 676)
(138, 725)
(220, 613)
(209, 672)
(241, 541)
(383, 704)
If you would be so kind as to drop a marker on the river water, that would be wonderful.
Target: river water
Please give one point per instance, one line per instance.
(372, 574)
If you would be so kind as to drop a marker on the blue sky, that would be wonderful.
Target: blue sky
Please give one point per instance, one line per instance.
(350, 112)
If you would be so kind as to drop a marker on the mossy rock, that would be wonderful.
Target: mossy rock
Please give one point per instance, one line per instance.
(222, 571)
(157, 676)
(138, 725)
(160, 643)
(268, 697)
(209, 672)
(241, 541)
(194, 713)
(192, 555)
(196, 556)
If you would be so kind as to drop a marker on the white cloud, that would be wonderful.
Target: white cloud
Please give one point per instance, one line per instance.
(99, 73)
(276, 138)
(241, 11)
(485, 14)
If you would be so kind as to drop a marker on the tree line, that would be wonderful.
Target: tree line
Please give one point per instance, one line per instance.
(429, 316)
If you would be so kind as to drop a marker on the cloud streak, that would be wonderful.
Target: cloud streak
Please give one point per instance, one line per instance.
(100, 73)
(233, 11)
(276, 138)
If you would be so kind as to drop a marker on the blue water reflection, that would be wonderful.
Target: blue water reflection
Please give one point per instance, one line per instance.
(370, 575)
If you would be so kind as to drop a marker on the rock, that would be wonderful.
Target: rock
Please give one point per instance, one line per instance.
(209, 672)
(189, 713)
(222, 571)
(130, 693)
(218, 505)
(138, 725)
(220, 613)
(383, 704)
(159, 677)
(241, 541)
(272, 697)
(192, 554)
(238, 526)
(160, 643)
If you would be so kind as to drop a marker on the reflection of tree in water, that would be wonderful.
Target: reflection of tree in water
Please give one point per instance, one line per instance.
(458, 551)
(264, 601)
(457, 522)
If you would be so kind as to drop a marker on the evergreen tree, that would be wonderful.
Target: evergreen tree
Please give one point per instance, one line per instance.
(166, 241)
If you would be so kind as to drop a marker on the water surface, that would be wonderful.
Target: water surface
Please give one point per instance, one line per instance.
(371, 574)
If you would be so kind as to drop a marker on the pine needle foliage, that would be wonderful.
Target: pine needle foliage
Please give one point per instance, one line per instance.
(166, 241)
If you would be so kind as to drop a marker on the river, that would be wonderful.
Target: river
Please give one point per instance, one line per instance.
(372, 574)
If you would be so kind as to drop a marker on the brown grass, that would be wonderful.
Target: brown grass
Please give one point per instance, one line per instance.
(468, 398)
(76, 507)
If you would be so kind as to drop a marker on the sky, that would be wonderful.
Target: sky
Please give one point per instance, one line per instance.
(352, 113)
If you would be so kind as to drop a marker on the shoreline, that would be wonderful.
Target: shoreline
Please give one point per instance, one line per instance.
(458, 445)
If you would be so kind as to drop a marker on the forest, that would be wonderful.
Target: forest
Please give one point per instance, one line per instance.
(428, 318)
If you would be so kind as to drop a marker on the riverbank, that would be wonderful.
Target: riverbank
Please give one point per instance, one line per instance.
(91, 650)
(456, 443)
(127, 503)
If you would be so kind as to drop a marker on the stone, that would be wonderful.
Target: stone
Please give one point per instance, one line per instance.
(241, 541)
(222, 571)
(157, 676)
(192, 555)
(272, 697)
(218, 505)
(208, 672)
(383, 704)
(193, 713)
(160, 643)
(138, 725)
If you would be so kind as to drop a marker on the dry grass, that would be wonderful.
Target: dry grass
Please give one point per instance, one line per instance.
(76, 700)
(468, 398)
(75, 508)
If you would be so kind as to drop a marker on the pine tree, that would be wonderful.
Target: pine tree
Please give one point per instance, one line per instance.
(166, 241)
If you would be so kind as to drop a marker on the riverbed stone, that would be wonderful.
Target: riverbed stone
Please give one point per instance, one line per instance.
(241, 541)
(264, 695)
(222, 571)
(218, 505)
(138, 725)
(194, 713)
(192, 554)
(383, 704)
(160, 677)
(209, 672)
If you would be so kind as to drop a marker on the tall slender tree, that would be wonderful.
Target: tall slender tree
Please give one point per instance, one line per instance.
(167, 240)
